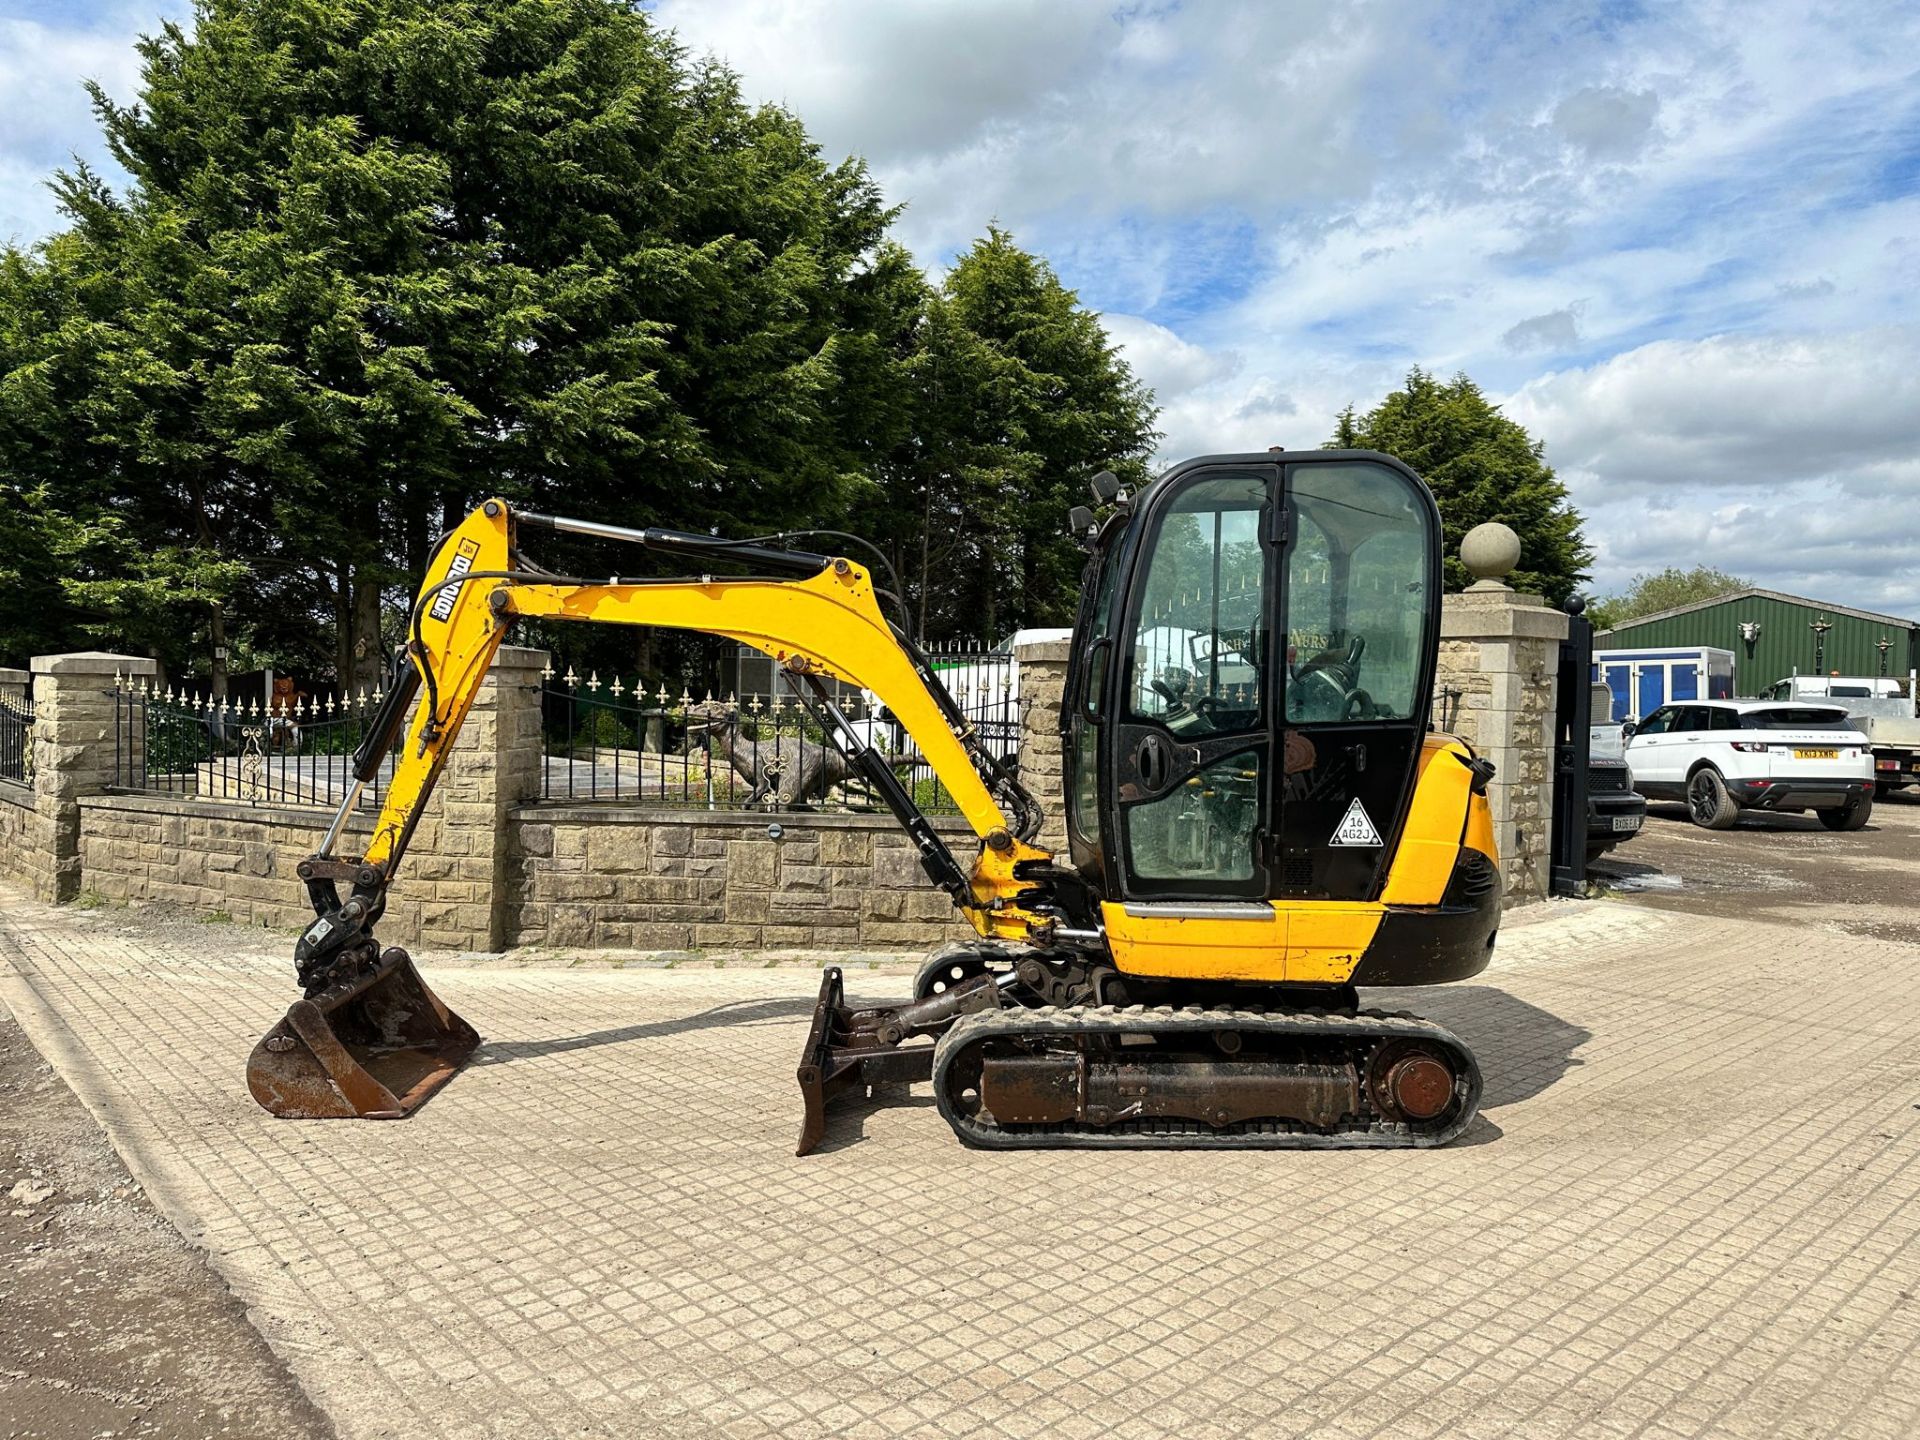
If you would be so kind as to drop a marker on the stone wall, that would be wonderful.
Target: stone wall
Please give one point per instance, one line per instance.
(214, 858)
(715, 879)
(487, 869)
(1043, 676)
(73, 756)
(240, 859)
(611, 877)
(1499, 653)
(20, 834)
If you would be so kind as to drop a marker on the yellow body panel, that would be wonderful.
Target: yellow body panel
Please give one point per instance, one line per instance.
(1146, 940)
(1326, 938)
(1300, 942)
(1430, 844)
(828, 623)
(1311, 942)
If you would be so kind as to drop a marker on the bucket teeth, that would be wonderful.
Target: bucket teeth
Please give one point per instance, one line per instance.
(374, 1047)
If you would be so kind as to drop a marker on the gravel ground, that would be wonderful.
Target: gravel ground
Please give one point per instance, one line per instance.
(114, 1326)
(1788, 868)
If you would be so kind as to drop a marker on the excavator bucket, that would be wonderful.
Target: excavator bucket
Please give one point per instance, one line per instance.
(373, 1047)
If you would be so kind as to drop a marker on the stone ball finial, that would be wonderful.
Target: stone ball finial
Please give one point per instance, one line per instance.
(1490, 551)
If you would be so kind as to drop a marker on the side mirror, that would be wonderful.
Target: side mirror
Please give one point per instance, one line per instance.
(1627, 727)
(1105, 485)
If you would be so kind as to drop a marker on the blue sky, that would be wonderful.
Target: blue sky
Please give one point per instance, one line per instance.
(1680, 242)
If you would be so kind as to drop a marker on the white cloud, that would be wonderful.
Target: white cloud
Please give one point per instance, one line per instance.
(46, 117)
(1557, 330)
(1028, 108)
(1606, 121)
(1794, 460)
(1741, 411)
(1668, 237)
(1172, 366)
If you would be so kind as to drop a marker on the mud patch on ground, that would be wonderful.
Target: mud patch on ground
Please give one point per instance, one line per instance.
(113, 1325)
(1777, 867)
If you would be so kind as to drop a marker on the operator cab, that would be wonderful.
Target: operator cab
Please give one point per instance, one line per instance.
(1252, 679)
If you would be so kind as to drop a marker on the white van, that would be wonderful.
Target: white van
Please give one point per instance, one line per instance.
(1835, 687)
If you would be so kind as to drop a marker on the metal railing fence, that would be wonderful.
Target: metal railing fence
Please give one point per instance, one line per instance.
(300, 752)
(16, 740)
(608, 740)
(601, 740)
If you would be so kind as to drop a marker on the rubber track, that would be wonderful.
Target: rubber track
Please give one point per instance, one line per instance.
(1367, 1029)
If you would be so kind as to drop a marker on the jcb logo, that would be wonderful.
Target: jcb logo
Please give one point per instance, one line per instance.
(450, 592)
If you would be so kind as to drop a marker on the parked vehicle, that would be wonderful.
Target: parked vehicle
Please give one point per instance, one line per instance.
(1834, 687)
(1640, 681)
(1615, 812)
(1725, 756)
(1880, 710)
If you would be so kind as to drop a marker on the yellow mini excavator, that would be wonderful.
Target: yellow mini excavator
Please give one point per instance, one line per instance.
(1258, 818)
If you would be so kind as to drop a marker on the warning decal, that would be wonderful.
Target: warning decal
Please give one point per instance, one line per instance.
(1355, 828)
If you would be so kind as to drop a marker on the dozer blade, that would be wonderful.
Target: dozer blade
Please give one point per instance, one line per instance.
(374, 1047)
(858, 1050)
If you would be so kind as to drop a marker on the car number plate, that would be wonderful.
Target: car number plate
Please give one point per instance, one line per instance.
(1800, 754)
(1626, 822)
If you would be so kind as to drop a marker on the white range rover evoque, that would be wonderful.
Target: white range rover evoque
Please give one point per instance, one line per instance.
(1725, 756)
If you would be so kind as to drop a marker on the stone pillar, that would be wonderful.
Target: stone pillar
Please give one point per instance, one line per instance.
(455, 876)
(1043, 678)
(1499, 667)
(73, 755)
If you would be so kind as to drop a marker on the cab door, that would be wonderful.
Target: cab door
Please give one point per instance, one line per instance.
(1188, 725)
(1360, 607)
(1650, 750)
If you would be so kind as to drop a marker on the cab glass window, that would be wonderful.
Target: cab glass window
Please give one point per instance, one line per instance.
(1203, 830)
(1195, 658)
(1358, 586)
(1083, 736)
(1658, 723)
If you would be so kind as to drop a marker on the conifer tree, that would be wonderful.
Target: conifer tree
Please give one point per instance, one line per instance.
(1481, 466)
(381, 258)
(1020, 398)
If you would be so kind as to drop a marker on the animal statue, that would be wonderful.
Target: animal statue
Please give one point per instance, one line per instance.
(787, 769)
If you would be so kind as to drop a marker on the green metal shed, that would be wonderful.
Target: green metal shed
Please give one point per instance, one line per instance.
(1773, 635)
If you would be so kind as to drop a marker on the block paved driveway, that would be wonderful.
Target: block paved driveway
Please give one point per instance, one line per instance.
(1691, 1209)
